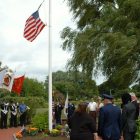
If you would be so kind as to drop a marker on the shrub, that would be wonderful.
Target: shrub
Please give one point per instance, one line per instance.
(55, 132)
(40, 121)
(59, 127)
(47, 131)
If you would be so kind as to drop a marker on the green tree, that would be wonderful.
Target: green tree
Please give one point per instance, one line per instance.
(31, 87)
(75, 83)
(107, 39)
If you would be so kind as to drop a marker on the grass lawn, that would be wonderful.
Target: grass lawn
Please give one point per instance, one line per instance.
(41, 110)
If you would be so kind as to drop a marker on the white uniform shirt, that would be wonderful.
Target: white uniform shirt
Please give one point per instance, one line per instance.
(92, 106)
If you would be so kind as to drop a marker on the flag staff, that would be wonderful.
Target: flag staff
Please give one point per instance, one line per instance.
(50, 68)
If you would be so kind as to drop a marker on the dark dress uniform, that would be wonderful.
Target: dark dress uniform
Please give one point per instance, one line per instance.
(4, 114)
(82, 126)
(13, 119)
(109, 123)
(71, 109)
(109, 126)
(58, 112)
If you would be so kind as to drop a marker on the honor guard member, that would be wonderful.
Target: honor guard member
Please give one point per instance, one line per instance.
(71, 109)
(4, 114)
(23, 113)
(13, 119)
(58, 112)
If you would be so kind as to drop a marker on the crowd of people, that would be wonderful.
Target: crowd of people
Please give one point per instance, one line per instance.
(13, 113)
(104, 120)
(99, 119)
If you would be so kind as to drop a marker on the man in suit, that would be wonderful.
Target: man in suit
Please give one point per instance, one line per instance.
(109, 124)
(135, 102)
(129, 116)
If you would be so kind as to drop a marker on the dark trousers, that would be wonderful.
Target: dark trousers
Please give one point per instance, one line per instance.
(80, 136)
(3, 120)
(23, 119)
(13, 120)
(110, 139)
(58, 119)
(93, 114)
(129, 136)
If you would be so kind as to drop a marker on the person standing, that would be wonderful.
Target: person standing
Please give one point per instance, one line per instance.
(23, 113)
(13, 118)
(71, 109)
(135, 102)
(109, 124)
(92, 109)
(81, 124)
(129, 117)
(58, 112)
(99, 103)
(4, 114)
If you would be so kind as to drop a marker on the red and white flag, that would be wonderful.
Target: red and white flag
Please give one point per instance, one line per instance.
(6, 79)
(33, 26)
(2, 74)
(17, 85)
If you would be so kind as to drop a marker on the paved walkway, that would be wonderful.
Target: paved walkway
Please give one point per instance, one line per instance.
(7, 134)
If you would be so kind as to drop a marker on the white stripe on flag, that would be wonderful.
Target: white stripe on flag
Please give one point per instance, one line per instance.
(66, 106)
(2, 74)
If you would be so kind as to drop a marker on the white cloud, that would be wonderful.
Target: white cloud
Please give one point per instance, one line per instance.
(26, 57)
(32, 57)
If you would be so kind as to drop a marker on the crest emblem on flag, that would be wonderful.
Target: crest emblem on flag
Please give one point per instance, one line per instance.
(7, 79)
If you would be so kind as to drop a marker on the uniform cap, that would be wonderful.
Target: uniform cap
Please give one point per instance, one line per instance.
(106, 96)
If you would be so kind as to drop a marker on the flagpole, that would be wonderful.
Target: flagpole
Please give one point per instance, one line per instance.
(50, 69)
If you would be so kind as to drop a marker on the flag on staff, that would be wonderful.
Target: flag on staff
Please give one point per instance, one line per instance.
(6, 79)
(17, 85)
(33, 26)
(2, 74)
(66, 106)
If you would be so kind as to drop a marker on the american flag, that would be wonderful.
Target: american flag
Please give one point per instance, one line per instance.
(33, 27)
